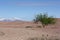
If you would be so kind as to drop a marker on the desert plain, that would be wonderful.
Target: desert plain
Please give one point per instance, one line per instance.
(24, 30)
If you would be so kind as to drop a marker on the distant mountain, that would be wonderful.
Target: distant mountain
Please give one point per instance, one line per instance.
(9, 19)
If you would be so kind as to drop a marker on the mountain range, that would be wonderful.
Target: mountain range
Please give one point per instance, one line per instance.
(9, 19)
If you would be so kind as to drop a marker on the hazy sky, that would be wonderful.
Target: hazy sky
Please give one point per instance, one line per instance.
(27, 9)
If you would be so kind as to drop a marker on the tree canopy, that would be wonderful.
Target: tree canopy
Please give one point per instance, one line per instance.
(44, 19)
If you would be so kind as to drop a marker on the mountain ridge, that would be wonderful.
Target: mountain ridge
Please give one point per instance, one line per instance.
(10, 19)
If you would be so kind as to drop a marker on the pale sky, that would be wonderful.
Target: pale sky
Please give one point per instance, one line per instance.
(27, 9)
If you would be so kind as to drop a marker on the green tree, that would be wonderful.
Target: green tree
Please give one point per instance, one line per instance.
(44, 19)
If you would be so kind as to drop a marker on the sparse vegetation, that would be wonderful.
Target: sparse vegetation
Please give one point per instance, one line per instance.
(44, 19)
(28, 26)
(43, 38)
(2, 33)
(33, 38)
(39, 26)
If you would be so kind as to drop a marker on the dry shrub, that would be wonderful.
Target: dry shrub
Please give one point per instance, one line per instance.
(39, 26)
(44, 38)
(2, 33)
(28, 26)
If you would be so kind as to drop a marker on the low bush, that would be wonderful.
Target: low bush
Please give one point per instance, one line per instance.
(39, 26)
(2, 33)
(28, 26)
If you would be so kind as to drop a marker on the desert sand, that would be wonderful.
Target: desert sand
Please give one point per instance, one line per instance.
(25, 33)
(18, 30)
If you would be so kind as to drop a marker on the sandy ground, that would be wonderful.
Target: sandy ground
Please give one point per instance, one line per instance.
(25, 33)
(18, 30)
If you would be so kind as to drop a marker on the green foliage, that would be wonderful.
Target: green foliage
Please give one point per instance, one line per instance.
(44, 19)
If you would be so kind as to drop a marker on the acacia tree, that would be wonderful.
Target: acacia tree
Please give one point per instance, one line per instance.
(44, 19)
